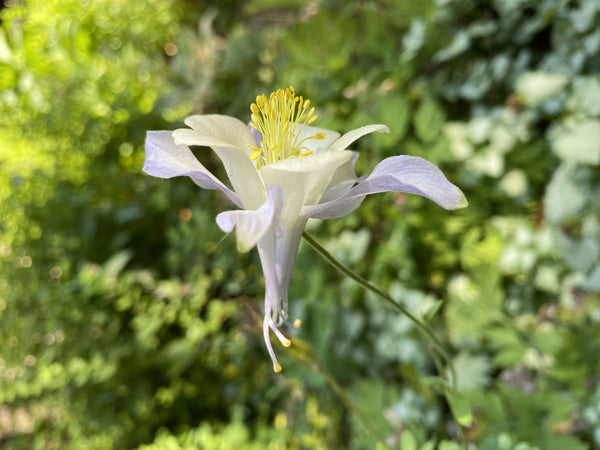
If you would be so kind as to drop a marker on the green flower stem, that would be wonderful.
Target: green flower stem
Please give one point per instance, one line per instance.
(367, 285)
(351, 405)
(304, 353)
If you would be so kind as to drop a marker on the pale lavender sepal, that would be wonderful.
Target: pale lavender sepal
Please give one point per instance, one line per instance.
(251, 225)
(408, 174)
(165, 159)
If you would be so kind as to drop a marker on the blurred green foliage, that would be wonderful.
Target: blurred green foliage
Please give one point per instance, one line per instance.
(127, 321)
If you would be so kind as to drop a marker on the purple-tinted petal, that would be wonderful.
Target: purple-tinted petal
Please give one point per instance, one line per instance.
(408, 174)
(230, 139)
(165, 159)
(256, 135)
(251, 226)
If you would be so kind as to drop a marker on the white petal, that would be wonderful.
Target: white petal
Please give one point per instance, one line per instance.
(214, 130)
(342, 180)
(398, 174)
(287, 250)
(318, 145)
(251, 226)
(165, 159)
(344, 142)
(273, 296)
(304, 180)
(230, 139)
(243, 176)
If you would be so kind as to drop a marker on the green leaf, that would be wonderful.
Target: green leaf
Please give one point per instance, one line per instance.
(566, 194)
(472, 371)
(432, 311)
(510, 348)
(579, 254)
(436, 382)
(535, 87)
(408, 441)
(501, 441)
(449, 445)
(428, 120)
(473, 304)
(429, 445)
(579, 142)
(371, 398)
(592, 282)
(461, 409)
(586, 96)
(116, 263)
(8, 76)
(393, 110)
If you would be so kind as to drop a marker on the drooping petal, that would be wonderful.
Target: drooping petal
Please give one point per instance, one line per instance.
(244, 177)
(251, 226)
(165, 159)
(273, 296)
(408, 174)
(348, 138)
(215, 130)
(286, 252)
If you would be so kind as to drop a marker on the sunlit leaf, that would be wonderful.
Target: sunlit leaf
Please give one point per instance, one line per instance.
(579, 142)
(535, 87)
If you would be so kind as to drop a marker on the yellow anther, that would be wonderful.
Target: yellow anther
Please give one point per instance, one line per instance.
(281, 118)
(286, 342)
(297, 323)
(277, 368)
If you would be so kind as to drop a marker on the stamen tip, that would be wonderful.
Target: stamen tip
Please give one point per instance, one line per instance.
(277, 368)
(286, 342)
(297, 323)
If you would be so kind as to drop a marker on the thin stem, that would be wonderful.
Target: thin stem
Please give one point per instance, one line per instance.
(368, 285)
(350, 404)
(447, 394)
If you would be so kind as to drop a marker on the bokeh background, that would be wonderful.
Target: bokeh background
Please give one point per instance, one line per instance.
(128, 321)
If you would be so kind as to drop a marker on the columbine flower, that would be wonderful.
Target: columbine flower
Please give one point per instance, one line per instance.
(283, 171)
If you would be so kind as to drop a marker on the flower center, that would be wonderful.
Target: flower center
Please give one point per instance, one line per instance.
(281, 119)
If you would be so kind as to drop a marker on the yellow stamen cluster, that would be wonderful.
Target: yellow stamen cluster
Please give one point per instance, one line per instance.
(280, 119)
